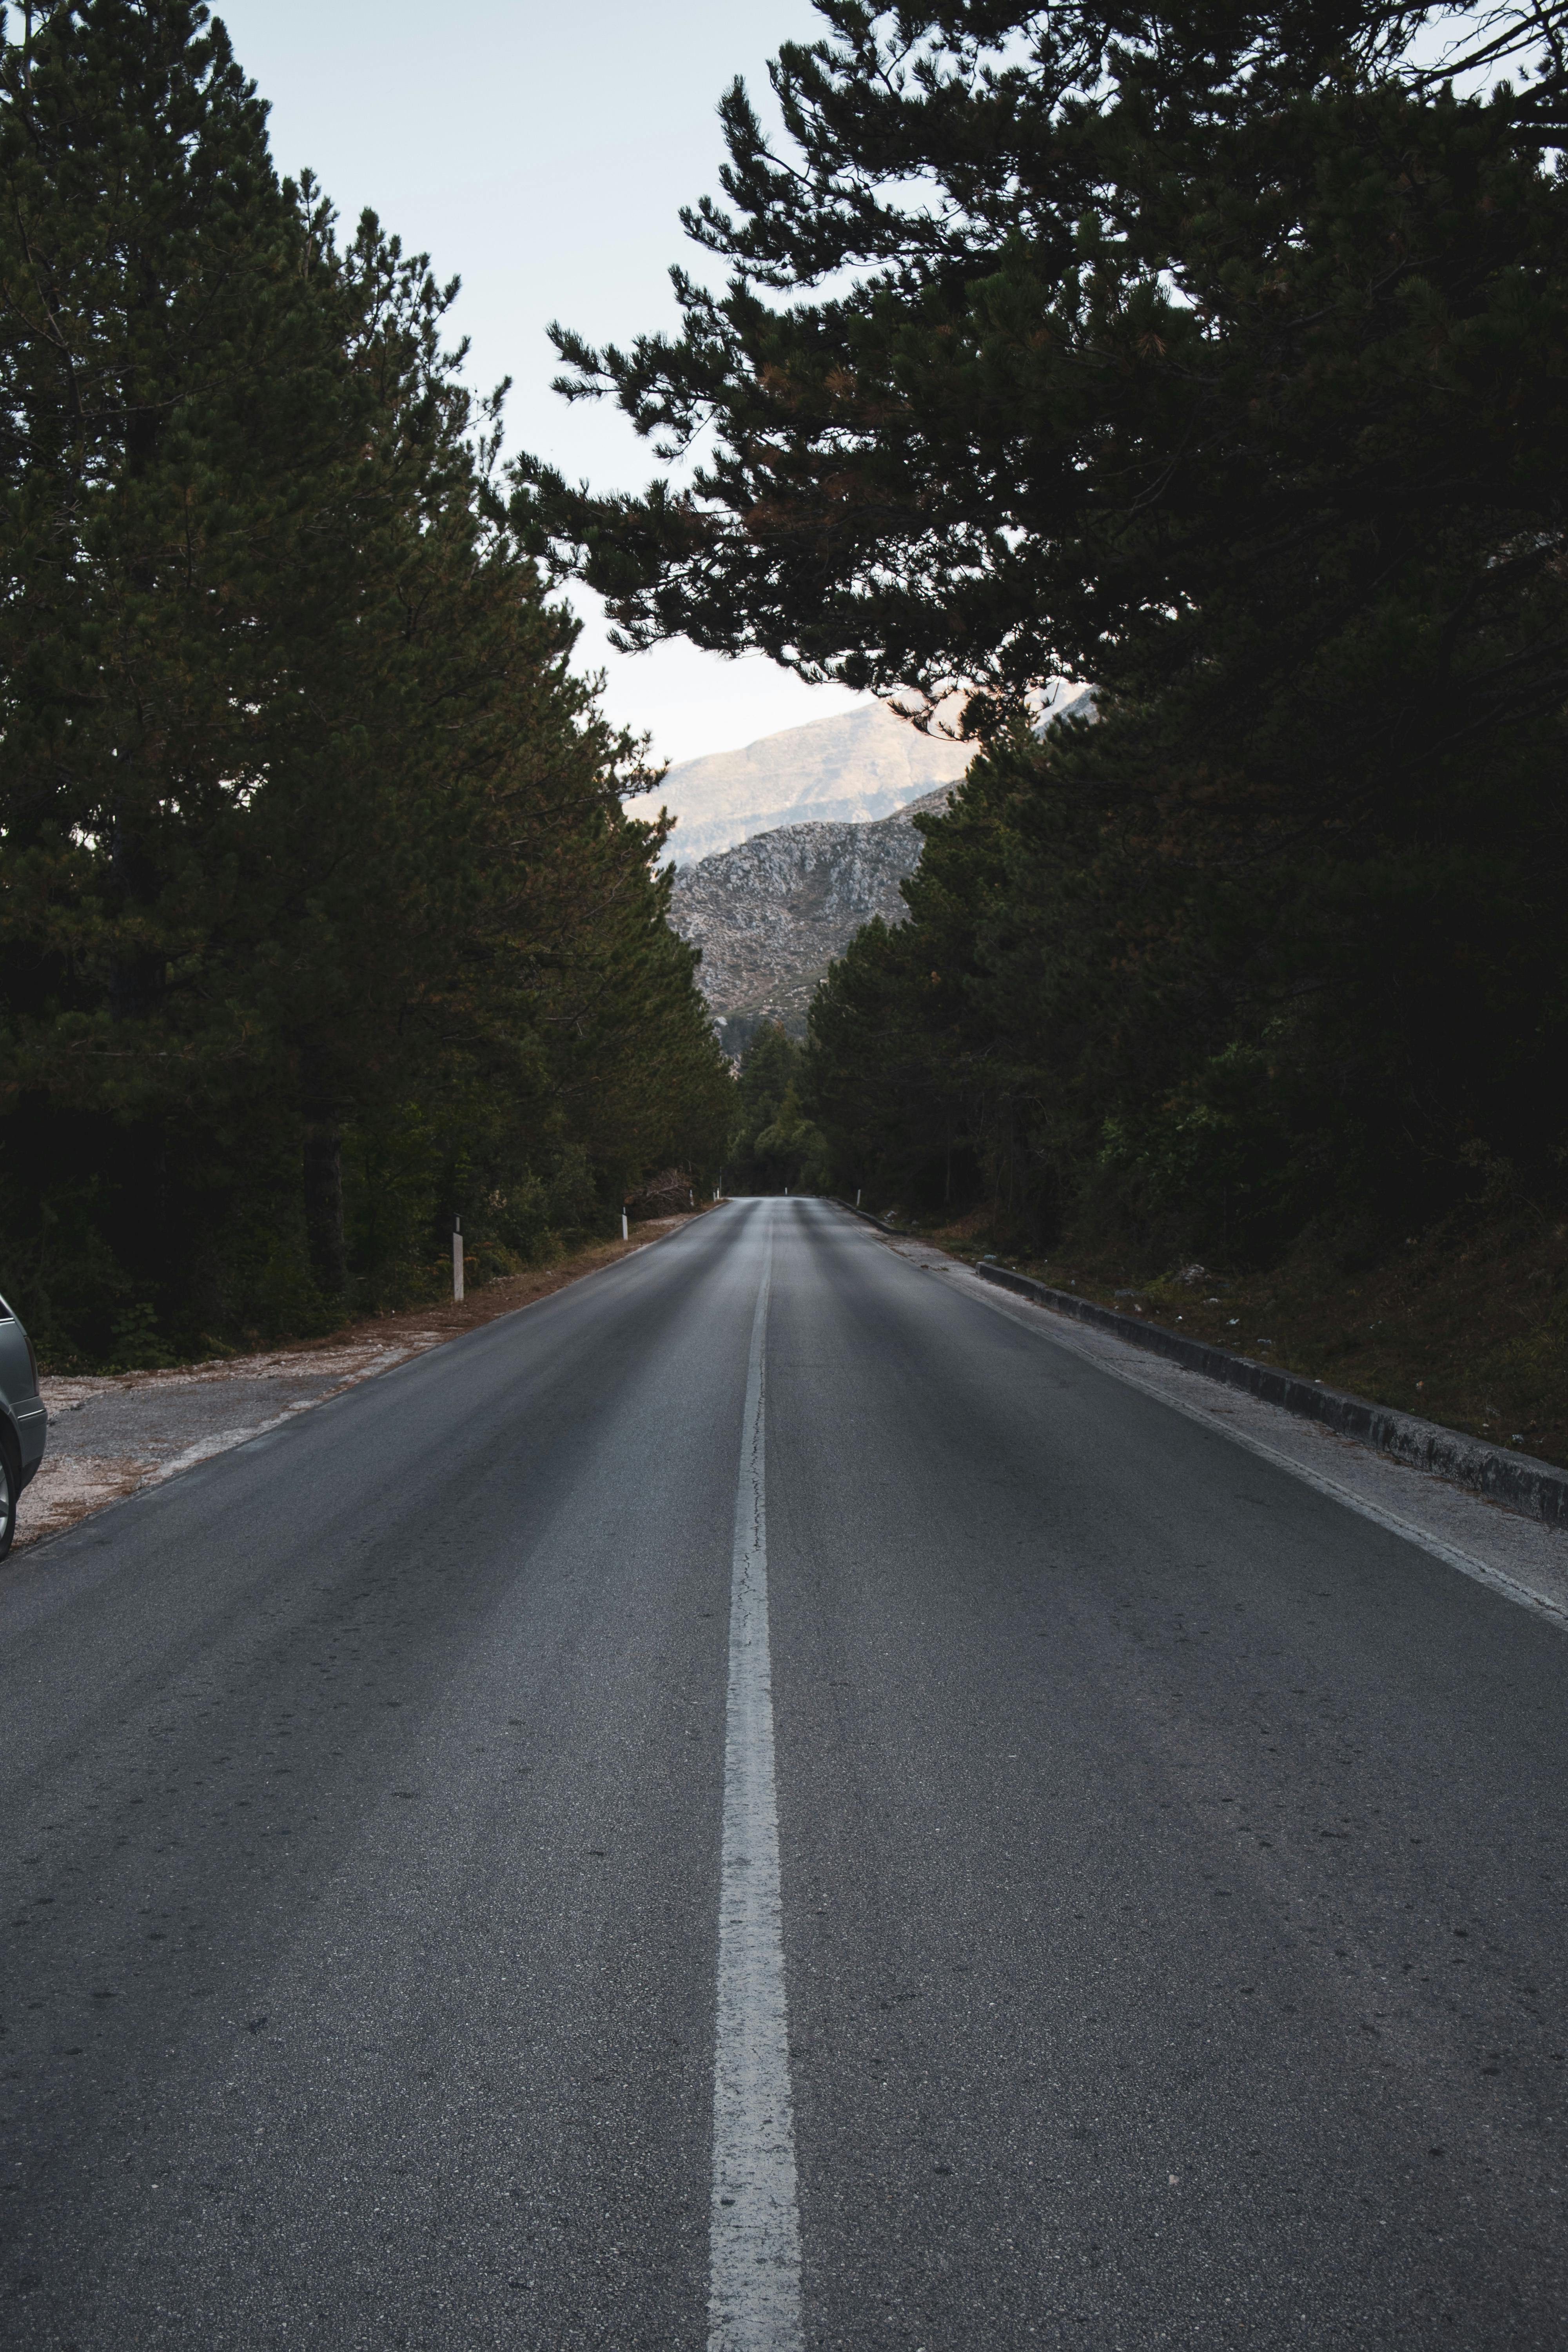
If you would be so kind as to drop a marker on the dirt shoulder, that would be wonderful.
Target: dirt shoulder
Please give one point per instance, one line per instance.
(111, 1433)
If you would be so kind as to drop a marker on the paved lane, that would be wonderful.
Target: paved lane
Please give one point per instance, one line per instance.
(362, 1793)
(1173, 1866)
(1171, 1861)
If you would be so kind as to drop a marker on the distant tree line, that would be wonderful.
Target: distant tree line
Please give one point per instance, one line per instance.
(775, 1147)
(1212, 355)
(321, 920)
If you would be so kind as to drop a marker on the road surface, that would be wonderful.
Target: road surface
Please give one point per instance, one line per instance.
(758, 1803)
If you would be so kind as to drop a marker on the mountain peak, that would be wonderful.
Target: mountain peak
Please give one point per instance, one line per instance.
(852, 767)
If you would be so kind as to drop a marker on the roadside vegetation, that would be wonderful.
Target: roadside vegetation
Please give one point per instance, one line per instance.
(1210, 357)
(320, 920)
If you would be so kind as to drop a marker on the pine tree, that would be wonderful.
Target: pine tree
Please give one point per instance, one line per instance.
(1209, 356)
(320, 917)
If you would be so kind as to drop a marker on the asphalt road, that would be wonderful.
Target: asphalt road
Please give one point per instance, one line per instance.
(1171, 1861)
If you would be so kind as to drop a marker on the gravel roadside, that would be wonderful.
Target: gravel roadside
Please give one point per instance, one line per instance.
(111, 1433)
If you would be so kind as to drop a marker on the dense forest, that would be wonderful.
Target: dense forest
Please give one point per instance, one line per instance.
(1213, 356)
(774, 1146)
(321, 920)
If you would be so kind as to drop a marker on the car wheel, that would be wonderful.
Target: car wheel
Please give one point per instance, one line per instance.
(10, 1486)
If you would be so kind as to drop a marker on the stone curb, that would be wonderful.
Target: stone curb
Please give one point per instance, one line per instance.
(903, 1233)
(1537, 1489)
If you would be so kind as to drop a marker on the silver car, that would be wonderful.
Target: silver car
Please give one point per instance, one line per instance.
(23, 1424)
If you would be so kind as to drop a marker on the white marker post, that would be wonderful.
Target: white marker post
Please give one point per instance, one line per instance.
(624, 1235)
(456, 1261)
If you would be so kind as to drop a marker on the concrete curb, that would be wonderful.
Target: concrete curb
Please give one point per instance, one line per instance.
(867, 1218)
(1537, 1489)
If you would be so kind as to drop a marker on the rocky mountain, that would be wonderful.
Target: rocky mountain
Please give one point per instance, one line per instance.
(770, 913)
(772, 909)
(852, 769)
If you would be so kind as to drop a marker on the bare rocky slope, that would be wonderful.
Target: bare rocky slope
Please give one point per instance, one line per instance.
(771, 910)
(851, 768)
(771, 913)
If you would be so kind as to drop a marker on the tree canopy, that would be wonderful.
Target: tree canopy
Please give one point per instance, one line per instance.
(1211, 357)
(1140, 311)
(319, 919)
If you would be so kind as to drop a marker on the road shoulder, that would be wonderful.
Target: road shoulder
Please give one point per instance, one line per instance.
(1518, 1557)
(112, 1433)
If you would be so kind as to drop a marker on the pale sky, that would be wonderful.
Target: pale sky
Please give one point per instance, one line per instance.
(542, 152)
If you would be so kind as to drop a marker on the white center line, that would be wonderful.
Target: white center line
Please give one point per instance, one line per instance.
(754, 2279)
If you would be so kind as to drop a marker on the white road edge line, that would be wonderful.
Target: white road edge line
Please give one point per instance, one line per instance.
(754, 2278)
(1466, 1562)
